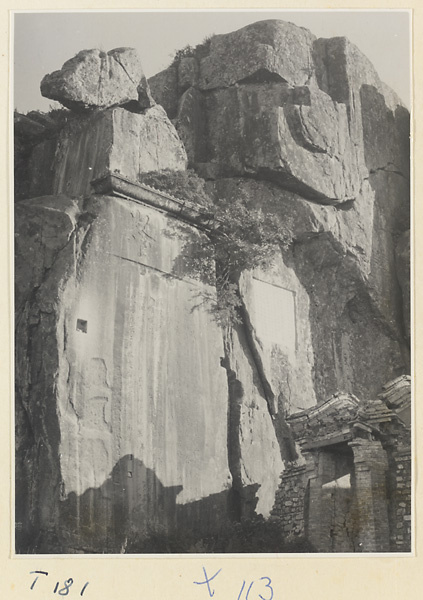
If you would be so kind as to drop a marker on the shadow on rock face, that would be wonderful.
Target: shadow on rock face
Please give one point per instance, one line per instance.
(131, 498)
(132, 507)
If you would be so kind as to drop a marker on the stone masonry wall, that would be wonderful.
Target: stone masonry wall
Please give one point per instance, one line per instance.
(290, 499)
(401, 502)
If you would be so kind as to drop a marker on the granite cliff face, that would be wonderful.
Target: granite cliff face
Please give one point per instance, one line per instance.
(135, 410)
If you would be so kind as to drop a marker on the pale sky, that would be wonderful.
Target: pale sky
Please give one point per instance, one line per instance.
(43, 41)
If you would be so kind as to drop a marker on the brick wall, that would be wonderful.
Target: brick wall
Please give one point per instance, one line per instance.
(400, 501)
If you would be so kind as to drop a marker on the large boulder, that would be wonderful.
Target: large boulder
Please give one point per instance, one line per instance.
(91, 145)
(298, 138)
(272, 101)
(267, 50)
(96, 79)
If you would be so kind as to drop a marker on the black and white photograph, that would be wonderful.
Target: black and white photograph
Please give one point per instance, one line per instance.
(212, 331)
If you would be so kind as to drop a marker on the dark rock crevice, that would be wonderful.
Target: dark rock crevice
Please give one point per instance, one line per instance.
(235, 395)
(276, 406)
(243, 496)
(355, 317)
(389, 168)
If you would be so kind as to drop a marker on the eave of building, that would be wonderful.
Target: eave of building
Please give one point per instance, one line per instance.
(114, 184)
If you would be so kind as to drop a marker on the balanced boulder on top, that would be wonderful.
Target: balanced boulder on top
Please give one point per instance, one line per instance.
(96, 79)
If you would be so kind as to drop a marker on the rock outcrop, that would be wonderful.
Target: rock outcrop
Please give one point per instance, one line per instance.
(404, 276)
(286, 107)
(96, 79)
(118, 141)
(135, 411)
(66, 159)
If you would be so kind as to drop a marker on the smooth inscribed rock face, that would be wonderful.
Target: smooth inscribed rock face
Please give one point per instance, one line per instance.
(134, 402)
(96, 79)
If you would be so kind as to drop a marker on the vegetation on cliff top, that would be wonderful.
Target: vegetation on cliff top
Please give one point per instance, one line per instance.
(185, 185)
(198, 52)
(239, 238)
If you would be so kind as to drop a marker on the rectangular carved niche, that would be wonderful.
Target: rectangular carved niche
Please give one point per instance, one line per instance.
(274, 314)
(81, 325)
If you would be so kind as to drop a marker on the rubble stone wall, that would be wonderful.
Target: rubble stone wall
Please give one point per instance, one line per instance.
(291, 502)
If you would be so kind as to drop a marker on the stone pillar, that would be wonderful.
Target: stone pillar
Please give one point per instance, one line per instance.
(371, 464)
(313, 524)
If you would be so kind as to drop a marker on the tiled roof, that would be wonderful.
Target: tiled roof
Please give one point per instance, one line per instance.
(397, 393)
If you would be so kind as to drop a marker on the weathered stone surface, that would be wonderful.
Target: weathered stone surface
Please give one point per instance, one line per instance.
(43, 228)
(115, 140)
(96, 79)
(164, 87)
(143, 143)
(331, 263)
(31, 128)
(35, 141)
(45, 246)
(403, 271)
(282, 342)
(133, 408)
(250, 420)
(131, 372)
(67, 155)
(341, 69)
(386, 152)
(295, 118)
(187, 73)
(263, 51)
(191, 125)
(273, 132)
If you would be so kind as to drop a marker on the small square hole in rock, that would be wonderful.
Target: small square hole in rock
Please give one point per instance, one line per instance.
(81, 325)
